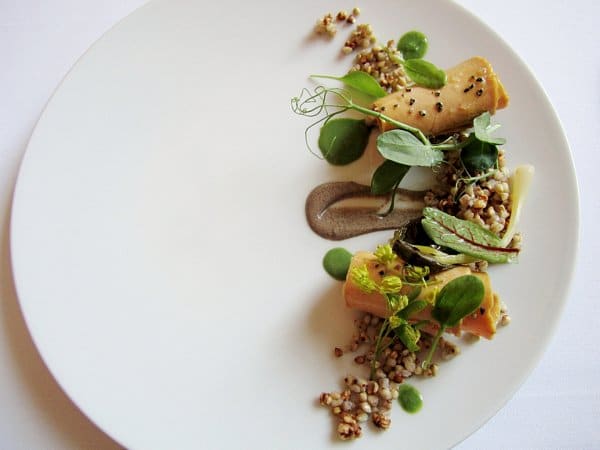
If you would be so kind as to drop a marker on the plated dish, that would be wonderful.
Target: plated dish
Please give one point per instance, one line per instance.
(160, 248)
(431, 279)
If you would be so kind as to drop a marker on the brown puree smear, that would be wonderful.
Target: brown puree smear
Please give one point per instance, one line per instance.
(340, 210)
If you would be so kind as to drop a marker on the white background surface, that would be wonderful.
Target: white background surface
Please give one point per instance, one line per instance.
(558, 407)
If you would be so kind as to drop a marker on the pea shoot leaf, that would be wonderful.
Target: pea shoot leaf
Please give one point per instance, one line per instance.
(483, 129)
(403, 147)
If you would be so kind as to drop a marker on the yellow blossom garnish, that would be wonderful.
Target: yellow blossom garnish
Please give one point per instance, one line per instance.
(396, 321)
(396, 302)
(390, 284)
(360, 276)
(416, 274)
(384, 254)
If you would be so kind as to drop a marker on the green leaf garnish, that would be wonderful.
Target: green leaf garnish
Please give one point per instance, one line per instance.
(343, 141)
(413, 45)
(403, 147)
(387, 175)
(424, 73)
(465, 237)
(457, 299)
(483, 129)
(479, 156)
(361, 81)
(412, 308)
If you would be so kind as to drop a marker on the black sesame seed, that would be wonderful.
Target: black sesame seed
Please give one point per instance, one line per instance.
(437, 93)
(479, 79)
(467, 89)
(439, 106)
(395, 105)
(408, 89)
(479, 92)
(411, 101)
(381, 272)
(383, 108)
(422, 113)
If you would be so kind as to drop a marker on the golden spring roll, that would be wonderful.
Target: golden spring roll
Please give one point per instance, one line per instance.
(472, 89)
(481, 323)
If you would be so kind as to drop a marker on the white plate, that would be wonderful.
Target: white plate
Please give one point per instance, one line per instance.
(160, 250)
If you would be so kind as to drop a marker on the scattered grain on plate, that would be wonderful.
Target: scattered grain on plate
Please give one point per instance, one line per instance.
(378, 61)
(326, 26)
(361, 398)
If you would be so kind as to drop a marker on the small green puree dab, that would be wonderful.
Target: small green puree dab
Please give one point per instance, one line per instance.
(410, 398)
(336, 262)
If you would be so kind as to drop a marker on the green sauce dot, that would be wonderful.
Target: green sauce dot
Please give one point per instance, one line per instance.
(336, 262)
(410, 398)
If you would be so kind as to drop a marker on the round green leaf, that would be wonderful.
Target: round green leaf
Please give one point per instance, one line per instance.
(457, 299)
(413, 45)
(343, 141)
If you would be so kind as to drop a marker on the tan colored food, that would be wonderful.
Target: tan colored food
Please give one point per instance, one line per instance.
(481, 323)
(472, 89)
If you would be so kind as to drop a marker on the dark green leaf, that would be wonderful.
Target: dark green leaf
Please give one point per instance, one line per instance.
(361, 81)
(483, 129)
(343, 141)
(409, 336)
(387, 176)
(457, 299)
(465, 237)
(479, 156)
(425, 73)
(413, 45)
(404, 148)
(413, 308)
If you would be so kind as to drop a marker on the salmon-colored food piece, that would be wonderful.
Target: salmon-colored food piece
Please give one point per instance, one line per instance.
(481, 323)
(472, 88)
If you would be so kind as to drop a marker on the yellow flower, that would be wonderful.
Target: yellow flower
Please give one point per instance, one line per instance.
(384, 254)
(360, 276)
(390, 284)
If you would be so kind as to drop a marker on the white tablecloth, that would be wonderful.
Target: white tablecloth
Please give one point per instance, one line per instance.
(559, 405)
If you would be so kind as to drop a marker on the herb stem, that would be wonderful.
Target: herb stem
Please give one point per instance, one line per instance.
(369, 112)
(378, 348)
(434, 344)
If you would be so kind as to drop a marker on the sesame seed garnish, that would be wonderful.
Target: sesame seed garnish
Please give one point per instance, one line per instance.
(439, 106)
(395, 105)
(467, 89)
(411, 101)
(479, 92)
(408, 89)
(479, 79)
(437, 93)
(422, 113)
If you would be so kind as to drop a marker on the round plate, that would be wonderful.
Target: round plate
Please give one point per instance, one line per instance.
(161, 254)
